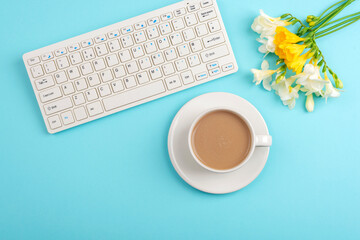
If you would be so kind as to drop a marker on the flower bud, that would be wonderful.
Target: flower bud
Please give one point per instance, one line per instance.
(310, 103)
(312, 23)
(338, 83)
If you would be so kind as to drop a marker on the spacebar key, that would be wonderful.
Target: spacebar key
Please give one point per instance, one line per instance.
(134, 95)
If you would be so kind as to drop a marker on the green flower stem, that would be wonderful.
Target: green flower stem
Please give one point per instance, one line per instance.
(331, 8)
(346, 17)
(339, 24)
(323, 35)
(334, 13)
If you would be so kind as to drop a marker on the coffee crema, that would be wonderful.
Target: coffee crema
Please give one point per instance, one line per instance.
(221, 140)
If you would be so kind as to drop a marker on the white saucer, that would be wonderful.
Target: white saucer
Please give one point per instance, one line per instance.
(192, 172)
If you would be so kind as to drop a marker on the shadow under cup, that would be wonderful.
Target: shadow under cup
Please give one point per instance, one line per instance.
(221, 140)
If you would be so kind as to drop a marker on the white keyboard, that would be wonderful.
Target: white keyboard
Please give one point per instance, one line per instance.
(129, 63)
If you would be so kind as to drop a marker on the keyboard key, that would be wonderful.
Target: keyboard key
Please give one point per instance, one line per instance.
(44, 83)
(194, 60)
(100, 38)
(87, 43)
(60, 52)
(180, 12)
(74, 47)
(212, 65)
(49, 67)
(140, 37)
(50, 94)
(201, 30)
(189, 34)
(80, 84)
(163, 43)
(80, 113)
(201, 76)
(114, 45)
(60, 77)
(227, 67)
(213, 40)
(140, 25)
(145, 63)
(134, 95)
(152, 32)
(99, 64)
(127, 29)
(214, 26)
(157, 58)
(181, 65)
(127, 41)
(86, 68)
(206, 14)
(68, 88)
(132, 67)
(91, 95)
(130, 82)
(113, 34)
(58, 106)
(142, 77)
(112, 60)
(190, 20)
(73, 73)
(170, 54)
(93, 80)
(214, 71)
(88, 54)
(125, 56)
(94, 108)
(165, 28)
(178, 24)
(104, 90)
(117, 86)
(137, 51)
(106, 76)
(47, 56)
(187, 77)
(54, 122)
(183, 50)
(155, 73)
(79, 99)
(34, 60)
(119, 71)
(193, 7)
(168, 69)
(75, 58)
(176, 39)
(62, 62)
(196, 46)
(101, 50)
(150, 47)
(153, 21)
(166, 16)
(173, 82)
(67, 118)
(214, 53)
(206, 3)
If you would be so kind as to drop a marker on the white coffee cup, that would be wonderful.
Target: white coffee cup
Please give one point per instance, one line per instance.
(256, 140)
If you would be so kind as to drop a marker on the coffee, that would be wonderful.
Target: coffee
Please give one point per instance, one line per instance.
(221, 140)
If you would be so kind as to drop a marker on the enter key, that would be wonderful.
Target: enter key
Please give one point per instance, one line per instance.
(213, 40)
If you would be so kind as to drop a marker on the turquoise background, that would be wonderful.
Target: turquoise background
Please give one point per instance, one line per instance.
(112, 178)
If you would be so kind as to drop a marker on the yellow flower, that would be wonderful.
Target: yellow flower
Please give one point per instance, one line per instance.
(283, 35)
(298, 63)
(289, 51)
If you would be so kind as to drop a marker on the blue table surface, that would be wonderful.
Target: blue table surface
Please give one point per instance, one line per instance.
(112, 178)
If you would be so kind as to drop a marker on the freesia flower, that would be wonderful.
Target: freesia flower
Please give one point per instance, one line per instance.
(310, 103)
(266, 25)
(311, 80)
(330, 90)
(286, 92)
(289, 51)
(268, 44)
(297, 64)
(264, 75)
(283, 35)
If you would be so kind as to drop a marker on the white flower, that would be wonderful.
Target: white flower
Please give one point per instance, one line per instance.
(311, 80)
(268, 44)
(287, 94)
(330, 91)
(310, 103)
(266, 25)
(264, 75)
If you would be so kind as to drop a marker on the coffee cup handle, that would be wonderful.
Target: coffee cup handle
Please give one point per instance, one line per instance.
(263, 141)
